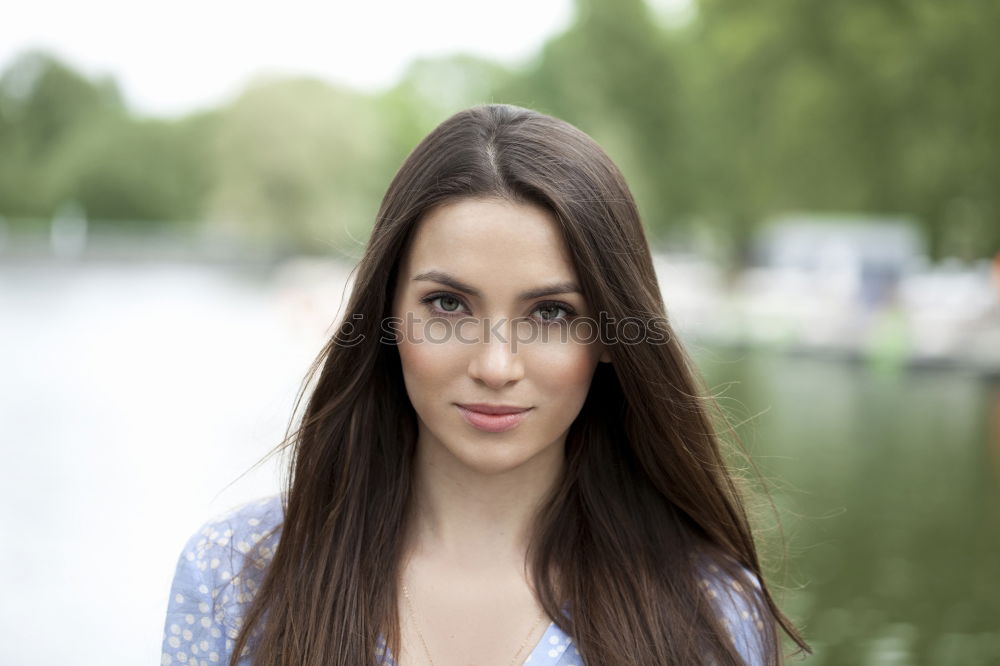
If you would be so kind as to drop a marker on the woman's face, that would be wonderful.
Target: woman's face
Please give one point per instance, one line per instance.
(471, 334)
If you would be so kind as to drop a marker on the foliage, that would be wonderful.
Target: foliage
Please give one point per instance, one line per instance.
(746, 111)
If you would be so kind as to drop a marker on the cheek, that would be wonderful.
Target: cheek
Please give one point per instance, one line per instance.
(565, 370)
(427, 366)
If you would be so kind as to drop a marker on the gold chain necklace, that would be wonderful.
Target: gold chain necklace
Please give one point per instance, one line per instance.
(409, 605)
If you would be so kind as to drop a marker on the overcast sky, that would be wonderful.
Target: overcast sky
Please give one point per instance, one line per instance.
(171, 58)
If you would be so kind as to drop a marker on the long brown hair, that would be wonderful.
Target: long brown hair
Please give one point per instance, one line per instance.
(644, 496)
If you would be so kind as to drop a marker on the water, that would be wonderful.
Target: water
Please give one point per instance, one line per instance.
(131, 395)
(888, 494)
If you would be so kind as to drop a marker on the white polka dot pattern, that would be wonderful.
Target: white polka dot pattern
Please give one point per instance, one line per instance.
(207, 599)
(741, 620)
(207, 596)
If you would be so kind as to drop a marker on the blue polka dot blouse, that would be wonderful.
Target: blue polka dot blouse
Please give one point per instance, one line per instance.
(207, 598)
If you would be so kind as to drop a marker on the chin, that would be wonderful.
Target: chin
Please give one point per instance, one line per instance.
(496, 457)
(490, 458)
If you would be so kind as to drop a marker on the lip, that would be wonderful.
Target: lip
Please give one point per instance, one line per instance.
(487, 408)
(509, 418)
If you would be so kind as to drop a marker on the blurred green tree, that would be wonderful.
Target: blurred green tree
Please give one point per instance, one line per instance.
(43, 105)
(294, 166)
(66, 138)
(859, 105)
(615, 74)
(746, 111)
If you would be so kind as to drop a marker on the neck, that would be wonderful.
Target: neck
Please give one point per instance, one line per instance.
(474, 519)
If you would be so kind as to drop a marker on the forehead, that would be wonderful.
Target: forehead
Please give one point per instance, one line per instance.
(489, 238)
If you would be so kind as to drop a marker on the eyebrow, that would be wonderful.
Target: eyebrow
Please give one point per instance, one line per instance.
(450, 280)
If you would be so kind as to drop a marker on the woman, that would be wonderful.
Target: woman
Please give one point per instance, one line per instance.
(506, 457)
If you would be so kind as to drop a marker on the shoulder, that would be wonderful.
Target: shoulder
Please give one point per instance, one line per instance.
(233, 533)
(215, 578)
(739, 601)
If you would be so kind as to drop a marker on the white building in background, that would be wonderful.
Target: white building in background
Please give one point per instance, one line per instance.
(862, 287)
(859, 258)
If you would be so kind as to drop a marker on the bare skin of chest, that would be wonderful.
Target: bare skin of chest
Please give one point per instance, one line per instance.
(467, 618)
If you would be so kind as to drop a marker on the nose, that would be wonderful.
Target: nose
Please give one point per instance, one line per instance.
(494, 361)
